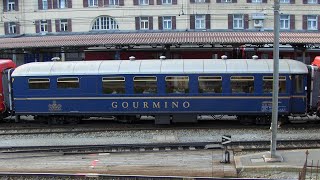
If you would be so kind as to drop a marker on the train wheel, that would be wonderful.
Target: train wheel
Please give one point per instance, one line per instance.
(2, 119)
(73, 120)
(245, 120)
(17, 118)
(283, 120)
(263, 120)
(126, 119)
(41, 119)
(120, 118)
(55, 120)
(132, 119)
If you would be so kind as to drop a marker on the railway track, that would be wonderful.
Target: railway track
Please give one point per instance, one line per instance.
(94, 127)
(102, 127)
(64, 176)
(153, 147)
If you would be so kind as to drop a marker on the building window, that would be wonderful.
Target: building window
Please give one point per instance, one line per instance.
(10, 5)
(284, 21)
(285, 1)
(312, 22)
(238, 21)
(312, 1)
(199, 1)
(200, 21)
(143, 2)
(144, 23)
(114, 2)
(12, 28)
(104, 23)
(93, 3)
(63, 25)
(44, 4)
(256, 1)
(167, 22)
(43, 26)
(166, 1)
(62, 4)
(226, 1)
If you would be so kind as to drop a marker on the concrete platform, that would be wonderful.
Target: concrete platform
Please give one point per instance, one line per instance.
(191, 163)
(292, 160)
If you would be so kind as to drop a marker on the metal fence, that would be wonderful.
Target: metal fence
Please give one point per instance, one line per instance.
(310, 171)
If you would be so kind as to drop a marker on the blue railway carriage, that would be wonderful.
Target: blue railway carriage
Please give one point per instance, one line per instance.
(171, 90)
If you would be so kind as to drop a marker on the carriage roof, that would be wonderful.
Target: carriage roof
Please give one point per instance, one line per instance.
(168, 66)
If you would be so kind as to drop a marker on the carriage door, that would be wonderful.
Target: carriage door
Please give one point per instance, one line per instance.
(298, 94)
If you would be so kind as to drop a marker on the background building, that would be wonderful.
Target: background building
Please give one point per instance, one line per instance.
(37, 19)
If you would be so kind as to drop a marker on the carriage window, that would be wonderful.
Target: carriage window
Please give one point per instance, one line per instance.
(39, 83)
(210, 84)
(145, 84)
(68, 82)
(298, 83)
(177, 84)
(242, 84)
(268, 84)
(113, 85)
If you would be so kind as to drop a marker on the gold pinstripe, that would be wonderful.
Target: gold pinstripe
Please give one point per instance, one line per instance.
(167, 97)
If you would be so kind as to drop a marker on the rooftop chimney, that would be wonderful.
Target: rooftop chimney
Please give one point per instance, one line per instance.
(55, 59)
(162, 57)
(254, 57)
(224, 57)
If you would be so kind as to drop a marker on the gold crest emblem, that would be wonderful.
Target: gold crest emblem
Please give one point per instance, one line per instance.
(54, 106)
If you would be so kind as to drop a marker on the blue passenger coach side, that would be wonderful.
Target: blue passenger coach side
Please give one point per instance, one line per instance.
(166, 89)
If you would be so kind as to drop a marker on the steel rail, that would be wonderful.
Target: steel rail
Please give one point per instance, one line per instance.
(152, 147)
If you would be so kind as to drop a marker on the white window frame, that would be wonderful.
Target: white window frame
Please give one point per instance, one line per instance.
(113, 2)
(143, 2)
(10, 5)
(200, 1)
(256, 1)
(226, 1)
(166, 1)
(238, 21)
(12, 28)
(312, 1)
(144, 23)
(43, 26)
(63, 25)
(44, 4)
(92, 3)
(284, 21)
(312, 22)
(167, 22)
(200, 21)
(62, 4)
(104, 23)
(285, 1)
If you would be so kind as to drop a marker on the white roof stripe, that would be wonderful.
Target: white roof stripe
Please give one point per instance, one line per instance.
(172, 66)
